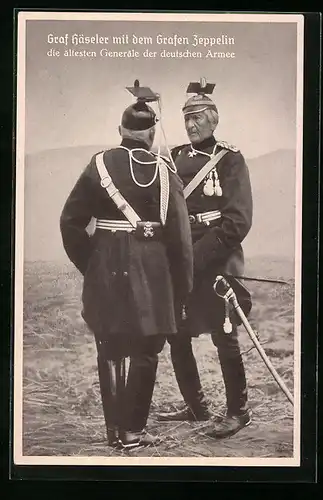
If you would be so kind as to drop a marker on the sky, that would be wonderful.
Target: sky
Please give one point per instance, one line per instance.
(74, 101)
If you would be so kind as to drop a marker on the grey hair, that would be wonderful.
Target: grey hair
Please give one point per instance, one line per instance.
(137, 135)
(213, 117)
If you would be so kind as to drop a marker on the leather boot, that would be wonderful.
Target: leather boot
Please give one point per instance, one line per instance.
(113, 437)
(188, 380)
(131, 439)
(138, 391)
(230, 425)
(199, 412)
(107, 380)
(234, 378)
(238, 414)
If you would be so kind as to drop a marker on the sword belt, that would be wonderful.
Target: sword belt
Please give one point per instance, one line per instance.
(204, 217)
(147, 229)
(114, 225)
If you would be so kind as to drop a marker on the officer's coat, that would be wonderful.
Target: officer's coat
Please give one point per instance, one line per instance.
(130, 286)
(217, 248)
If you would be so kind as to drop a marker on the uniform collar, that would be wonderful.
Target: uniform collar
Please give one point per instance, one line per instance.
(133, 144)
(207, 143)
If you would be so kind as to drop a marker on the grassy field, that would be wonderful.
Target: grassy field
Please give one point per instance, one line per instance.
(62, 414)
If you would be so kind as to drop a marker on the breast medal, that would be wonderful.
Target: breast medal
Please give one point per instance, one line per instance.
(208, 188)
(212, 184)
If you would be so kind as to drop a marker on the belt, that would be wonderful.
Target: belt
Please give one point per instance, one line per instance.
(145, 228)
(114, 225)
(205, 217)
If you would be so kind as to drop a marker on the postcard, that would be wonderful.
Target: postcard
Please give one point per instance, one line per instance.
(74, 72)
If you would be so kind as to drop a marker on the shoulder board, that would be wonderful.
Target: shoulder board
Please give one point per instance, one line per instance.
(225, 145)
(177, 150)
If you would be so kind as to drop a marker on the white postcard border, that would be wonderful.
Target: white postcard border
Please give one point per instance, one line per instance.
(18, 457)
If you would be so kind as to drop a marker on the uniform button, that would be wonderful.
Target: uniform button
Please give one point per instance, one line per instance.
(125, 273)
(114, 273)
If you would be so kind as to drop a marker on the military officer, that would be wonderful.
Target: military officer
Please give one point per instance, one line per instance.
(137, 266)
(219, 200)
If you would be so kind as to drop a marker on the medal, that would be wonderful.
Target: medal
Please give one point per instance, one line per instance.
(217, 188)
(212, 185)
(208, 188)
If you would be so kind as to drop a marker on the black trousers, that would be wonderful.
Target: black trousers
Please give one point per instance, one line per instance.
(232, 368)
(130, 410)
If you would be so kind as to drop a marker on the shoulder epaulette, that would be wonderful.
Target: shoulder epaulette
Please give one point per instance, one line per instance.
(177, 150)
(225, 145)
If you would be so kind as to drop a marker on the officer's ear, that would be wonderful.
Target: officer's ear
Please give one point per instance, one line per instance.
(152, 132)
(213, 118)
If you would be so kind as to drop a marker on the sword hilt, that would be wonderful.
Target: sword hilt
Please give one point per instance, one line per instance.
(224, 290)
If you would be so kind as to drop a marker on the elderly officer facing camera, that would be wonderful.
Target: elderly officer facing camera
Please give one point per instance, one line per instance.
(137, 267)
(219, 199)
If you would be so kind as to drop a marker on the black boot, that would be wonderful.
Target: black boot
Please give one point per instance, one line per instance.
(198, 412)
(131, 439)
(238, 414)
(234, 377)
(230, 425)
(139, 391)
(113, 437)
(107, 379)
(189, 384)
(184, 415)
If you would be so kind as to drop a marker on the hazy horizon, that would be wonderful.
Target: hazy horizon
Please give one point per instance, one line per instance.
(273, 183)
(109, 146)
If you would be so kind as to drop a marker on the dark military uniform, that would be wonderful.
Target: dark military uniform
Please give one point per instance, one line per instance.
(133, 285)
(217, 251)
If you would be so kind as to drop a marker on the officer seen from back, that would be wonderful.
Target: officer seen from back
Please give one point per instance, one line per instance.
(137, 266)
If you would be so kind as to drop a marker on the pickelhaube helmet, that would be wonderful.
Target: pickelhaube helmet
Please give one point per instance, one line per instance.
(140, 116)
(200, 101)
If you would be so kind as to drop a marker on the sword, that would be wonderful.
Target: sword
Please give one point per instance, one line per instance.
(266, 280)
(223, 289)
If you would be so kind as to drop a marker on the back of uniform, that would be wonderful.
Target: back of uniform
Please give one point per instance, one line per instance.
(137, 266)
(130, 280)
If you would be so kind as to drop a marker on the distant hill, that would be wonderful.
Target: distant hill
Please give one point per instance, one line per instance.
(50, 176)
(273, 180)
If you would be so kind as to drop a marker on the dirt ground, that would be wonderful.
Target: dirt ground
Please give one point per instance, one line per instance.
(62, 414)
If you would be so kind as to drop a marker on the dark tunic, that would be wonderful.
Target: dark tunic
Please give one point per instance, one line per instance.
(131, 286)
(217, 248)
